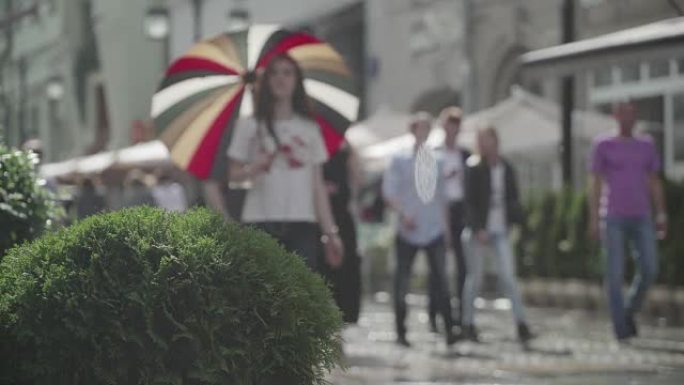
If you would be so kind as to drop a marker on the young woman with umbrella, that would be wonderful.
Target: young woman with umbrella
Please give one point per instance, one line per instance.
(205, 105)
(281, 151)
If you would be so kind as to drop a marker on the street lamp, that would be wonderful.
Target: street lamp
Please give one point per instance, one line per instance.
(54, 90)
(157, 23)
(238, 19)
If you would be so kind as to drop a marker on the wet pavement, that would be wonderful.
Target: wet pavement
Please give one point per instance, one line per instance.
(573, 348)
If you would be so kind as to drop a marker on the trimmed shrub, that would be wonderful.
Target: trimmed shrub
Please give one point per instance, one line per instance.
(142, 296)
(672, 248)
(26, 208)
(554, 241)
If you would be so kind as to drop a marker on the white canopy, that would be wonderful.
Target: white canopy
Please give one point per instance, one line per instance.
(381, 126)
(153, 153)
(662, 39)
(524, 122)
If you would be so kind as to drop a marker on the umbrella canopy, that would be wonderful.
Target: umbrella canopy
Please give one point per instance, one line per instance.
(208, 88)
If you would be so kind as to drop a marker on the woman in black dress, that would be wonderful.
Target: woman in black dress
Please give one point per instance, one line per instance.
(343, 178)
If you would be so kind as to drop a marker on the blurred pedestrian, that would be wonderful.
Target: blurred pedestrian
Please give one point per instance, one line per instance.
(423, 225)
(454, 158)
(492, 206)
(281, 151)
(89, 200)
(342, 175)
(137, 189)
(624, 179)
(169, 194)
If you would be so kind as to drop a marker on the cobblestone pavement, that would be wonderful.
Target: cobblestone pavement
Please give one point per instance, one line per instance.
(573, 348)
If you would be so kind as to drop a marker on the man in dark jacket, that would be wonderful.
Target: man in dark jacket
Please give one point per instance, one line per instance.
(492, 205)
(454, 159)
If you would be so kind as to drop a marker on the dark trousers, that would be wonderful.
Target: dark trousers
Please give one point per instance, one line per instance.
(406, 254)
(456, 226)
(300, 238)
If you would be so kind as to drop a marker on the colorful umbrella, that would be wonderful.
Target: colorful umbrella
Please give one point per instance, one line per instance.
(207, 89)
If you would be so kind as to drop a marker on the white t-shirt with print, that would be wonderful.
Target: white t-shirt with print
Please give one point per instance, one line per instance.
(496, 222)
(285, 193)
(454, 175)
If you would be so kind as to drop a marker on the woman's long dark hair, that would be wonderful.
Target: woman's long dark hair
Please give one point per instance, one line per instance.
(265, 101)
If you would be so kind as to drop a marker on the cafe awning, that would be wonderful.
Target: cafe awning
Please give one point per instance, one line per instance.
(660, 40)
(149, 154)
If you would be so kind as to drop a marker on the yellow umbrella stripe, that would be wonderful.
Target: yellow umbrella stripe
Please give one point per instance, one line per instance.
(319, 57)
(174, 130)
(215, 54)
(226, 45)
(188, 143)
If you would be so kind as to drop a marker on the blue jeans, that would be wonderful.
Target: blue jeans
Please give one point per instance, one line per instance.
(474, 268)
(616, 232)
(406, 254)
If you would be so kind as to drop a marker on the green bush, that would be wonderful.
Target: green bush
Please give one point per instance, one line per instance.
(555, 244)
(672, 249)
(26, 208)
(142, 296)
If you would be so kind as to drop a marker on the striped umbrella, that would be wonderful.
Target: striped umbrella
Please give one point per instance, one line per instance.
(208, 88)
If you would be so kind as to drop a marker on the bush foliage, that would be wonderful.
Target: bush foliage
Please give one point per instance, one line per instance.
(26, 207)
(142, 296)
(555, 243)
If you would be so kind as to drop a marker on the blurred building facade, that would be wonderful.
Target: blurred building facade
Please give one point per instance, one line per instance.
(655, 84)
(80, 73)
(41, 42)
(195, 19)
(504, 31)
(415, 54)
(132, 65)
(77, 74)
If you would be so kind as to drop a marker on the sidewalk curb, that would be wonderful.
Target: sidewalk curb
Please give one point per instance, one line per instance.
(663, 303)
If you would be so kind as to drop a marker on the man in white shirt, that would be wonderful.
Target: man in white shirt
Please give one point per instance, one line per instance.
(453, 160)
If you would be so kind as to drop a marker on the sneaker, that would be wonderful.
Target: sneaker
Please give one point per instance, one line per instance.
(452, 339)
(468, 332)
(401, 340)
(433, 325)
(632, 330)
(524, 333)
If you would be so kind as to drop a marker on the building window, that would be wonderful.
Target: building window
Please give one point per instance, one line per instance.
(630, 72)
(659, 69)
(603, 77)
(678, 127)
(680, 66)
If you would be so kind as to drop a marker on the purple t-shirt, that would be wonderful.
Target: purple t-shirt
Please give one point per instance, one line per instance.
(625, 165)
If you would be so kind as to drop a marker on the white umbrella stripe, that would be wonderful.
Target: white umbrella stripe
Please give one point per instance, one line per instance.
(341, 101)
(256, 39)
(175, 93)
(247, 104)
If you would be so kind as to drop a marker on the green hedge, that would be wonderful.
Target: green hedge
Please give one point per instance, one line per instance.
(143, 296)
(554, 241)
(26, 208)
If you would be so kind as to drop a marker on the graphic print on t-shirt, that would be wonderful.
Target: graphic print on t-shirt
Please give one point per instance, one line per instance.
(292, 152)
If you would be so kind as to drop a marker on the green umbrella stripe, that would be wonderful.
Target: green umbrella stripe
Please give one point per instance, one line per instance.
(342, 82)
(166, 118)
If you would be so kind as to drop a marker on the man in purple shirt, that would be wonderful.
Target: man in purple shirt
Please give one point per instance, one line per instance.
(624, 180)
